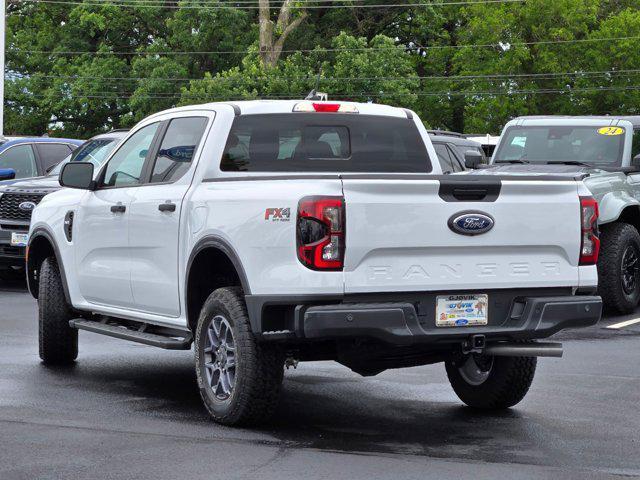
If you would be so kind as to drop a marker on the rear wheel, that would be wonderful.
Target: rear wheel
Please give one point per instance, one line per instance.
(239, 379)
(58, 342)
(487, 382)
(619, 267)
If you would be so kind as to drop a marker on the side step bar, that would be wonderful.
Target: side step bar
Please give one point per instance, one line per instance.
(156, 336)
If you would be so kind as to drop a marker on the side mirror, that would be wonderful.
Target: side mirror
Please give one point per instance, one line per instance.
(635, 161)
(472, 159)
(7, 174)
(77, 175)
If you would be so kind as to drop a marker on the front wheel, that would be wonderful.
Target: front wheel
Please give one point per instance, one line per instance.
(58, 342)
(487, 382)
(239, 379)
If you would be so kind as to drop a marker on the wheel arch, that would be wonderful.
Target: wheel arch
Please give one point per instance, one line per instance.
(215, 255)
(619, 206)
(42, 245)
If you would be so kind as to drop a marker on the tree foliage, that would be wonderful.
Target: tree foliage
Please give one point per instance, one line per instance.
(77, 69)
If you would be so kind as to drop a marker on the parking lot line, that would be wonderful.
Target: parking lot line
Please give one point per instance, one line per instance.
(625, 323)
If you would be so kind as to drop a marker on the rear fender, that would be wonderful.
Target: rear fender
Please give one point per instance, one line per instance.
(613, 204)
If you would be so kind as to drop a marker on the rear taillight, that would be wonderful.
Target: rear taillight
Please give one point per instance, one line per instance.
(320, 232)
(590, 243)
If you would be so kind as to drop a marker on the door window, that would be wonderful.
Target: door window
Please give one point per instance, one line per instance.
(444, 157)
(125, 167)
(177, 149)
(52, 153)
(635, 147)
(21, 159)
(456, 155)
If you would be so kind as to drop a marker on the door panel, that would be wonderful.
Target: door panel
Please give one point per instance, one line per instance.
(103, 262)
(153, 239)
(155, 218)
(103, 258)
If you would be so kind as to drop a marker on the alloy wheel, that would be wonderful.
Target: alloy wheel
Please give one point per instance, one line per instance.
(630, 269)
(220, 357)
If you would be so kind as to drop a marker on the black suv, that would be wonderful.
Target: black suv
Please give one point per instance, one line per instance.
(451, 148)
(18, 199)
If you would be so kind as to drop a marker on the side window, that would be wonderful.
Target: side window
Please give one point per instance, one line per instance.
(456, 156)
(125, 167)
(635, 146)
(178, 146)
(443, 157)
(21, 159)
(51, 153)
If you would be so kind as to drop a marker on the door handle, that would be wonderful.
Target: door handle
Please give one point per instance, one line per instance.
(167, 207)
(118, 208)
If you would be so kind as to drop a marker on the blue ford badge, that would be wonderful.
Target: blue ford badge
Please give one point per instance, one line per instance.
(27, 206)
(470, 223)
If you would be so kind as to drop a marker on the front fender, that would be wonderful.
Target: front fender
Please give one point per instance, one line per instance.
(41, 243)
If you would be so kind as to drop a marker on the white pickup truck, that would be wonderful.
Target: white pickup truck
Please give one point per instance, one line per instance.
(267, 233)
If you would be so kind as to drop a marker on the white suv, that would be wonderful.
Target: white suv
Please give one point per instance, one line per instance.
(273, 232)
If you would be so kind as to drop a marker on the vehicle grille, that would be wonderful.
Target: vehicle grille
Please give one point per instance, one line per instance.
(17, 228)
(12, 251)
(9, 202)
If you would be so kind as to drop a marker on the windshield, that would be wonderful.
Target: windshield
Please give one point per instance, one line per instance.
(94, 151)
(591, 145)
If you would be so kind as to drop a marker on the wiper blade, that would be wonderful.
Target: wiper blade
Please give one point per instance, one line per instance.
(512, 161)
(568, 162)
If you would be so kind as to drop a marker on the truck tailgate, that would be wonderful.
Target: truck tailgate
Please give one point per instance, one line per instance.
(399, 237)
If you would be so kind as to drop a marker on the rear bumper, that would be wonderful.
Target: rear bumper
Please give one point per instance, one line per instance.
(409, 318)
(398, 323)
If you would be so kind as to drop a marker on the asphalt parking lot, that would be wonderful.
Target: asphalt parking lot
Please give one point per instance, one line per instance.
(129, 411)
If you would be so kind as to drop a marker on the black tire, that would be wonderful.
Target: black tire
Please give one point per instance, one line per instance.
(616, 241)
(58, 341)
(259, 368)
(507, 382)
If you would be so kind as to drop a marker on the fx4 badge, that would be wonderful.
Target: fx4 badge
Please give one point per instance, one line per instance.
(277, 214)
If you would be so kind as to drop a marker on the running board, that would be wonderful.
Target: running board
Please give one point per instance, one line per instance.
(156, 336)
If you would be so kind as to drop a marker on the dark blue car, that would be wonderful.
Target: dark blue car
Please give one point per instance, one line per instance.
(32, 156)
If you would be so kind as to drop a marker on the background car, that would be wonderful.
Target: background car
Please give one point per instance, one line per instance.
(18, 198)
(32, 156)
(451, 148)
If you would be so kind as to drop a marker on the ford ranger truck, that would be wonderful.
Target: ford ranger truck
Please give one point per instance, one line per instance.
(606, 152)
(268, 233)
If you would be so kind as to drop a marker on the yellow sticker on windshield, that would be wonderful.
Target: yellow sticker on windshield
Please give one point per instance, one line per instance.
(611, 131)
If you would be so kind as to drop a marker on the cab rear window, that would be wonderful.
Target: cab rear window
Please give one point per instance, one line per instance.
(318, 142)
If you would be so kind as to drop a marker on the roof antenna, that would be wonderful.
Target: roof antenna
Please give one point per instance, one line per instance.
(315, 94)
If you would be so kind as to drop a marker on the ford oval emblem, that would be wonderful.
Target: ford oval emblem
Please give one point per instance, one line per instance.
(471, 223)
(28, 206)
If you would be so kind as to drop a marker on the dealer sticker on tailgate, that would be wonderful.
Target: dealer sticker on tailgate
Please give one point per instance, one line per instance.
(461, 310)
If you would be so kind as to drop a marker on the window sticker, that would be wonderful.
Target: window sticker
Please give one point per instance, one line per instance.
(611, 131)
